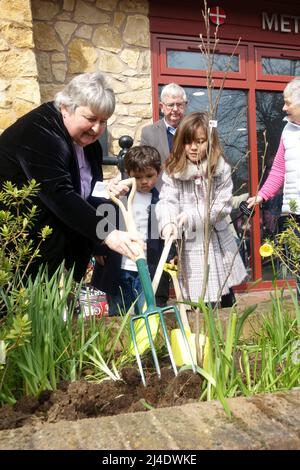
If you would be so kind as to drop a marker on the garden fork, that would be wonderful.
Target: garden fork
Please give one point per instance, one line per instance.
(151, 308)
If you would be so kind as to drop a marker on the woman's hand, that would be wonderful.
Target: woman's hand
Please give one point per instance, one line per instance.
(254, 200)
(117, 187)
(125, 243)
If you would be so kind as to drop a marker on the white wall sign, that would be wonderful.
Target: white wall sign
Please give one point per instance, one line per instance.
(281, 23)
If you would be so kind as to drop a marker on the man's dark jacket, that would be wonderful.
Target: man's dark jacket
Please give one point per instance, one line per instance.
(38, 146)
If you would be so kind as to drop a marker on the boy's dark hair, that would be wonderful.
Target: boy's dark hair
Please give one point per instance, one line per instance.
(141, 157)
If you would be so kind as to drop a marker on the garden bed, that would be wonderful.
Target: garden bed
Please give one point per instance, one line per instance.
(68, 367)
(82, 399)
(58, 362)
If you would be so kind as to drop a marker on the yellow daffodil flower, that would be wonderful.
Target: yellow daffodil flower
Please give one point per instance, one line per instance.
(266, 250)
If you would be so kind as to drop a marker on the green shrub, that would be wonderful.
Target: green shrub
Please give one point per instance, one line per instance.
(17, 249)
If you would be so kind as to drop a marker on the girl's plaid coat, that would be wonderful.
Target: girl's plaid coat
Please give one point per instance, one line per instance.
(187, 193)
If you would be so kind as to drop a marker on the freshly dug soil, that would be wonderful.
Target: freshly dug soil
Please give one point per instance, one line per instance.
(82, 399)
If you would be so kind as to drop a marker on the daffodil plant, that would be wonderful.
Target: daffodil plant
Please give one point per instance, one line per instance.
(285, 247)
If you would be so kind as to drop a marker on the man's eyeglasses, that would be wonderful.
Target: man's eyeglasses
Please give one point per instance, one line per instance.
(172, 105)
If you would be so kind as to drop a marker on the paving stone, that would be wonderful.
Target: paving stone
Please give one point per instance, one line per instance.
(267, 421)
(53, 437)
(19, 438)
(223, 432)
(143, 431)
(185, 433)
(94, 434)
(279, 407)
(268, 431)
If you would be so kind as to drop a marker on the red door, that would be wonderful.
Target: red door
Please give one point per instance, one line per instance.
(249, 114)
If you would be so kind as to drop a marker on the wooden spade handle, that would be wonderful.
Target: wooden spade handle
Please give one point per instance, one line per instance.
(178, 293)
(128, 213)
(161, 263)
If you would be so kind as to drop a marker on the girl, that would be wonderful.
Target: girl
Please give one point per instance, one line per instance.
(182, 203)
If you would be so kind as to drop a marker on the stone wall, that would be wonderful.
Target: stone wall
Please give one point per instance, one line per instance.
(19, 89)
(75, 36)
(44, 43)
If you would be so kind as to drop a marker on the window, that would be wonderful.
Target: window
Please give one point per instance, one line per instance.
(277, 64)
(272, 66)
(176, 56)
(197, 61)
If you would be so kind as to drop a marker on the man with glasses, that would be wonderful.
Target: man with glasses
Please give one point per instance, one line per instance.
(160, 135)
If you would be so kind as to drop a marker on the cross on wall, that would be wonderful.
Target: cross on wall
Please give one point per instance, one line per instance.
(217, 15)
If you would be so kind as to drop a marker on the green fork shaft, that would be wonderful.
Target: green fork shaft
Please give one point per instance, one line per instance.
(146, 282)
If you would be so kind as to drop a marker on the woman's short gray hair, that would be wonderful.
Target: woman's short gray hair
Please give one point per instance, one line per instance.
(172, 89)
(292, 91)
(87, 89)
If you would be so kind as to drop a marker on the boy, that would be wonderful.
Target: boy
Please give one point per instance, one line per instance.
(117, 275)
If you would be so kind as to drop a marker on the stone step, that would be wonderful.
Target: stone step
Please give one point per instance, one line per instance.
(261, 422)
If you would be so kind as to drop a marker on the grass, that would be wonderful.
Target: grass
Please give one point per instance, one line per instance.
(59, 345)
(264, 361)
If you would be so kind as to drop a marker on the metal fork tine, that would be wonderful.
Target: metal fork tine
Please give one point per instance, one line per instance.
(152, 346)
(167, 340)
(151, 342)
(137, 354)
(145, 317)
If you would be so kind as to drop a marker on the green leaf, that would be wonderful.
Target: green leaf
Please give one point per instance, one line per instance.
(146, 404)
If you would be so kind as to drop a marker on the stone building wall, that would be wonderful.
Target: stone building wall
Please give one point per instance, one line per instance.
(44, 46)
(19, 88)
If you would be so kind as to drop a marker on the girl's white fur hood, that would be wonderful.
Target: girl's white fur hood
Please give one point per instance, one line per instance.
(193, 171)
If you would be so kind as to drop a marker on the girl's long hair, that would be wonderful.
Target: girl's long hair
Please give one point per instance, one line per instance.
(187, 133)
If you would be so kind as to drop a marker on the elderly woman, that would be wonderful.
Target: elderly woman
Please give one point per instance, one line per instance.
(57, 145)
(285, 171)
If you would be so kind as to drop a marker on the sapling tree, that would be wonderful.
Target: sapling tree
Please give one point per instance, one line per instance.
(208, 48)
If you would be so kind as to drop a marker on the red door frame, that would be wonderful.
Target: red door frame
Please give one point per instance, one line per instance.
(250, 78)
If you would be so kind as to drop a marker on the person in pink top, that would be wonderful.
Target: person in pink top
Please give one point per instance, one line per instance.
(285, 171)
